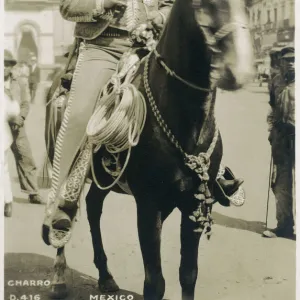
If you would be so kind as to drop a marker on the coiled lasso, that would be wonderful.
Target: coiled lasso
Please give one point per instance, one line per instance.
(118, 121)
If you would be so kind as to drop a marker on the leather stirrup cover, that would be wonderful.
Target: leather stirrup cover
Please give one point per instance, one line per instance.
(220, 195)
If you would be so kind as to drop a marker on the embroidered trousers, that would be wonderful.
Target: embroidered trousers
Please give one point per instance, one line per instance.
(93, 70)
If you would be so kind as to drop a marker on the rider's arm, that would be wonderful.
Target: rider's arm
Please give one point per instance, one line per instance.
(81, 10)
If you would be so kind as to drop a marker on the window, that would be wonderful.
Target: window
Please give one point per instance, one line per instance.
(283, 11)
(292, 14)
(269, 16)
(292, 8)
(275, 15)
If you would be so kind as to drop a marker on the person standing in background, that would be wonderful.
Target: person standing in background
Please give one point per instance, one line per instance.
(11, 112)
(282, 139)
(16, 87)
(275, 65)
(34, 76)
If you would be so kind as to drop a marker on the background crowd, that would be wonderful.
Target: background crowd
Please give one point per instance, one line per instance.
(20, 84)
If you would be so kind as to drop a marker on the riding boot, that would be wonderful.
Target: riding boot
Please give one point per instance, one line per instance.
(230, 186)
(62, 220)
(70, 192)
(227, 188)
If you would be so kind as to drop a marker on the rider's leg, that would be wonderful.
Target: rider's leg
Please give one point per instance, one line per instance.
(93, 70)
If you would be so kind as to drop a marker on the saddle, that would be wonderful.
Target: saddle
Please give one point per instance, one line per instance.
(118, 119)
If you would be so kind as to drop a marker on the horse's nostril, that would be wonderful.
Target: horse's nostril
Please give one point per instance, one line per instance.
(229, 75)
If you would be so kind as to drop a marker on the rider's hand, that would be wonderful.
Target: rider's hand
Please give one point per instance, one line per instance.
(144, 36)
(112, 3)
(156, 20)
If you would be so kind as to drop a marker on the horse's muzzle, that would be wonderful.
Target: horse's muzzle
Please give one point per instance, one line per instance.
(228, 81)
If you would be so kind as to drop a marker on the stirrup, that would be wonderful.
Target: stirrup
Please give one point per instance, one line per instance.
(237, 199)
(59, 238)
(56, 238)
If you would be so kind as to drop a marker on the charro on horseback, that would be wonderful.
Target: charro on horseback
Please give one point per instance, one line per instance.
(105, 32)
(152, 132)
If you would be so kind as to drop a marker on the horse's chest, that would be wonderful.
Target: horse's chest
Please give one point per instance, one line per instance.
(156, 164)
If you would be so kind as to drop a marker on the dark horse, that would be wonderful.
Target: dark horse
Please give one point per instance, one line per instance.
(199, 37)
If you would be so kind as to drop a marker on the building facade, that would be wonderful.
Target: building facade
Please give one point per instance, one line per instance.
(36, 26)
(272, 23)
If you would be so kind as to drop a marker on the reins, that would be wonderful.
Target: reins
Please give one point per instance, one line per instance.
(170, 72)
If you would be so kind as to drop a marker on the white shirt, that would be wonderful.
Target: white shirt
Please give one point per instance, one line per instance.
(7, 84)
(11, 110)
(33, 67)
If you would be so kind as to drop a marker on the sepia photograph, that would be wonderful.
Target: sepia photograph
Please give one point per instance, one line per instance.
(148, 150)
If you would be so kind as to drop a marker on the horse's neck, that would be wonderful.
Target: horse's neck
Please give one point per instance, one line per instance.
(183, 48)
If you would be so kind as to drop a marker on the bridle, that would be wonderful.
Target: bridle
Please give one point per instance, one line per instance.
(173, 74)
(213, 41)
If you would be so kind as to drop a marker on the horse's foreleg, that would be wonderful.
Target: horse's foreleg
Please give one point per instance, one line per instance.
(58, 285)
(94, 206)
(149, 228)
(188, 270)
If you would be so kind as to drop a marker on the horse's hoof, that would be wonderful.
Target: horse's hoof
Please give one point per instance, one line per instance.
(108, 286)
(58, 291)
(45, 234)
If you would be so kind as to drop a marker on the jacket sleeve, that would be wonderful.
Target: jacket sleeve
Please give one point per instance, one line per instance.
(270, 119)
(272, 96)
(81, 10)
(288, 105)
(24, 96)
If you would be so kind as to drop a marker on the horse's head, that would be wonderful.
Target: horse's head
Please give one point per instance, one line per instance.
(224, 25)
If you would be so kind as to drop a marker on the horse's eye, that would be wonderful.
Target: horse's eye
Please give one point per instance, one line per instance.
(197, 4)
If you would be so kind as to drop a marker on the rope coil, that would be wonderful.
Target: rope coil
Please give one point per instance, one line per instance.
(118, 121)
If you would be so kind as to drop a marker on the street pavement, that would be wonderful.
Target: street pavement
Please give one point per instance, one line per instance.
(236, 264)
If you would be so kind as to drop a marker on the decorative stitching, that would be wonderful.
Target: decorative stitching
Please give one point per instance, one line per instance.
(52, 205)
